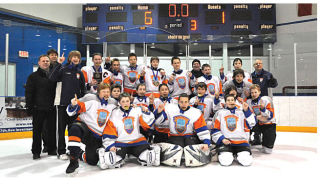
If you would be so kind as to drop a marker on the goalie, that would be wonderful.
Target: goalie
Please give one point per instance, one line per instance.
(188, 134)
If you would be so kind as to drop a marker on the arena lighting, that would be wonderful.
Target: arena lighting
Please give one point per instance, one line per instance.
(152, 46)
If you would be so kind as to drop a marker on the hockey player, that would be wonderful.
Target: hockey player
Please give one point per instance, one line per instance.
(219, 103)
(188, 130)
(238, 81)
(122, 136)
(237, 64)
(203, 102)
(88, 128)
(180, 80)
(213, 83)
(131, 74)
(161, 130)
(154, 77)
(116, 91)
(231, 133)
(263, 108)
(141, 99)
(95, 74)
(116, 77)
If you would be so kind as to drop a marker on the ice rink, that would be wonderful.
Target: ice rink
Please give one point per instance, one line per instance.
(293, 167)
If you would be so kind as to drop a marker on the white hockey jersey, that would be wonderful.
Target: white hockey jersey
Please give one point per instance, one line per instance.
(205, 105)
(244, 86)
(267, 111)
(221, 104)
(184, 123)
(141, 101)
(163, 126)
(131, 77)
(213, 84)
(181, 84)
(229, 76)
(153, 79)
(122, 129)
(117, 79)
(234, 125)
(88, 72)
(93, 113)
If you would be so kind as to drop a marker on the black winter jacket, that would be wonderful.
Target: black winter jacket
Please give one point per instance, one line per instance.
(39, 91)
(70, 81)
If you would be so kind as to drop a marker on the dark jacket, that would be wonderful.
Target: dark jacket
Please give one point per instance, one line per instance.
(70, 81)
(197, 74)
(40, 91)
(265, 80)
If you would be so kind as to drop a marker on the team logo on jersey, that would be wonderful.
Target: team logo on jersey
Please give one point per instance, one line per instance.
(132, 76)
(181, 123)
(128, 124)
(231, 122)
(201, 107)
(256, 110)
(102, 117)
(78, 76)
(211, 88)
(118, 81)
(181, 82)
(261, 79)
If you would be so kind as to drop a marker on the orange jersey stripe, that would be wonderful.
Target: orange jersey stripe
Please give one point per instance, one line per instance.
(238, 142)
(129, 91)
(74, 138)
(107, 80)
(162, 130)
(216, 124)
(85, 75)
(82, 106)
(110, 129)
(201, 122)
(143, 124)
(136, 141)
(155, 94)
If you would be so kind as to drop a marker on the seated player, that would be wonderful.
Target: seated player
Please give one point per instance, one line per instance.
(238, 81)
(161, 130)
(88, 128)
(188, 133)
(231, 133)
(263, 108)
(203, 102)
(122, 136)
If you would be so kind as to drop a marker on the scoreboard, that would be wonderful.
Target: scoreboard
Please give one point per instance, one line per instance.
(165, 23)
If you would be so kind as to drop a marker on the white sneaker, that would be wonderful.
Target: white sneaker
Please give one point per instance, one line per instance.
(63, 157)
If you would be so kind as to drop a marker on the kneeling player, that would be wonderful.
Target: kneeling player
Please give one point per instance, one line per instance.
(122, 136)
(88, 129)
(264, 110)
(187, 125)
(231, 133)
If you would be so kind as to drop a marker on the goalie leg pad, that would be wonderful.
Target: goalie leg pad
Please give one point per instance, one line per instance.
(244, 158)
(150, 157)
(170, 154)
(109, 159)
(225, 158)
(194, 156)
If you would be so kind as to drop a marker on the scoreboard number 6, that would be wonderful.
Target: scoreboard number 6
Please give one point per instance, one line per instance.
(148, 18)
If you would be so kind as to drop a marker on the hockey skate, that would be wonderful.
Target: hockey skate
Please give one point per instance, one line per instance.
(72, 168)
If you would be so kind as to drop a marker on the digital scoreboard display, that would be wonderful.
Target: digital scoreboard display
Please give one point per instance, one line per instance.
(162, 23)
